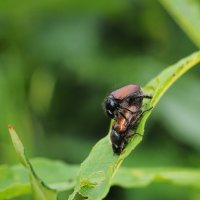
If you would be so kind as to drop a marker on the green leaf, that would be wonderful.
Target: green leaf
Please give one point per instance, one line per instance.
(187, 14)
(131, 178)
(65, 178)
(96, 172)
(14, 180)
(40, 190)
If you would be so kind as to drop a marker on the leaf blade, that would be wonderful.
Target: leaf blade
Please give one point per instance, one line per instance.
(142, 177)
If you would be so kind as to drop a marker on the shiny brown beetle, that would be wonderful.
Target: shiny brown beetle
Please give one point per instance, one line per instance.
(131, 94)
(122, 129)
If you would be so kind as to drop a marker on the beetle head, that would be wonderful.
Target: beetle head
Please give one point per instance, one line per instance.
(111, 106)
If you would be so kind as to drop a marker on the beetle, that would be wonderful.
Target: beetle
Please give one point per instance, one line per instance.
(122, 129)
(124, 105)
(131, 94)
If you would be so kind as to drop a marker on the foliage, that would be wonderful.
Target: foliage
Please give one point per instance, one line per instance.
(66, 174)
(96, 172)
(58, 61)
(40, 190)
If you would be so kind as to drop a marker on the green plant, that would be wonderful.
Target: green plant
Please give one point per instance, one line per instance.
(101, 169)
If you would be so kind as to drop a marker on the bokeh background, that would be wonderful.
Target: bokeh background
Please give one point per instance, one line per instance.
(59, 60)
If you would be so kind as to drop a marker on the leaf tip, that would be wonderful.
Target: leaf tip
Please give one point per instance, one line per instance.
(10, 127)
(12, 131)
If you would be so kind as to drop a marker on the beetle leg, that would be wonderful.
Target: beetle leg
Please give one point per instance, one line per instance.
(124, 108)
(138, 118)
(147, 110)
(146, 96)
(132, 133)
(144, 104)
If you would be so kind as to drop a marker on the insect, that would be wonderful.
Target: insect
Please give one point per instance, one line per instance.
(125, 107)
(131, 94)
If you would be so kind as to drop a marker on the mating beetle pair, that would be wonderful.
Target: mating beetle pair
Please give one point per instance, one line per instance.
(125, 107)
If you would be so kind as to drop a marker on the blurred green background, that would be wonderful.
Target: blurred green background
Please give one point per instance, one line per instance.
(59, 60)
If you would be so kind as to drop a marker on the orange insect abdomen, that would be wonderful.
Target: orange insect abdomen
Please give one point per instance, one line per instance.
(121, 124)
